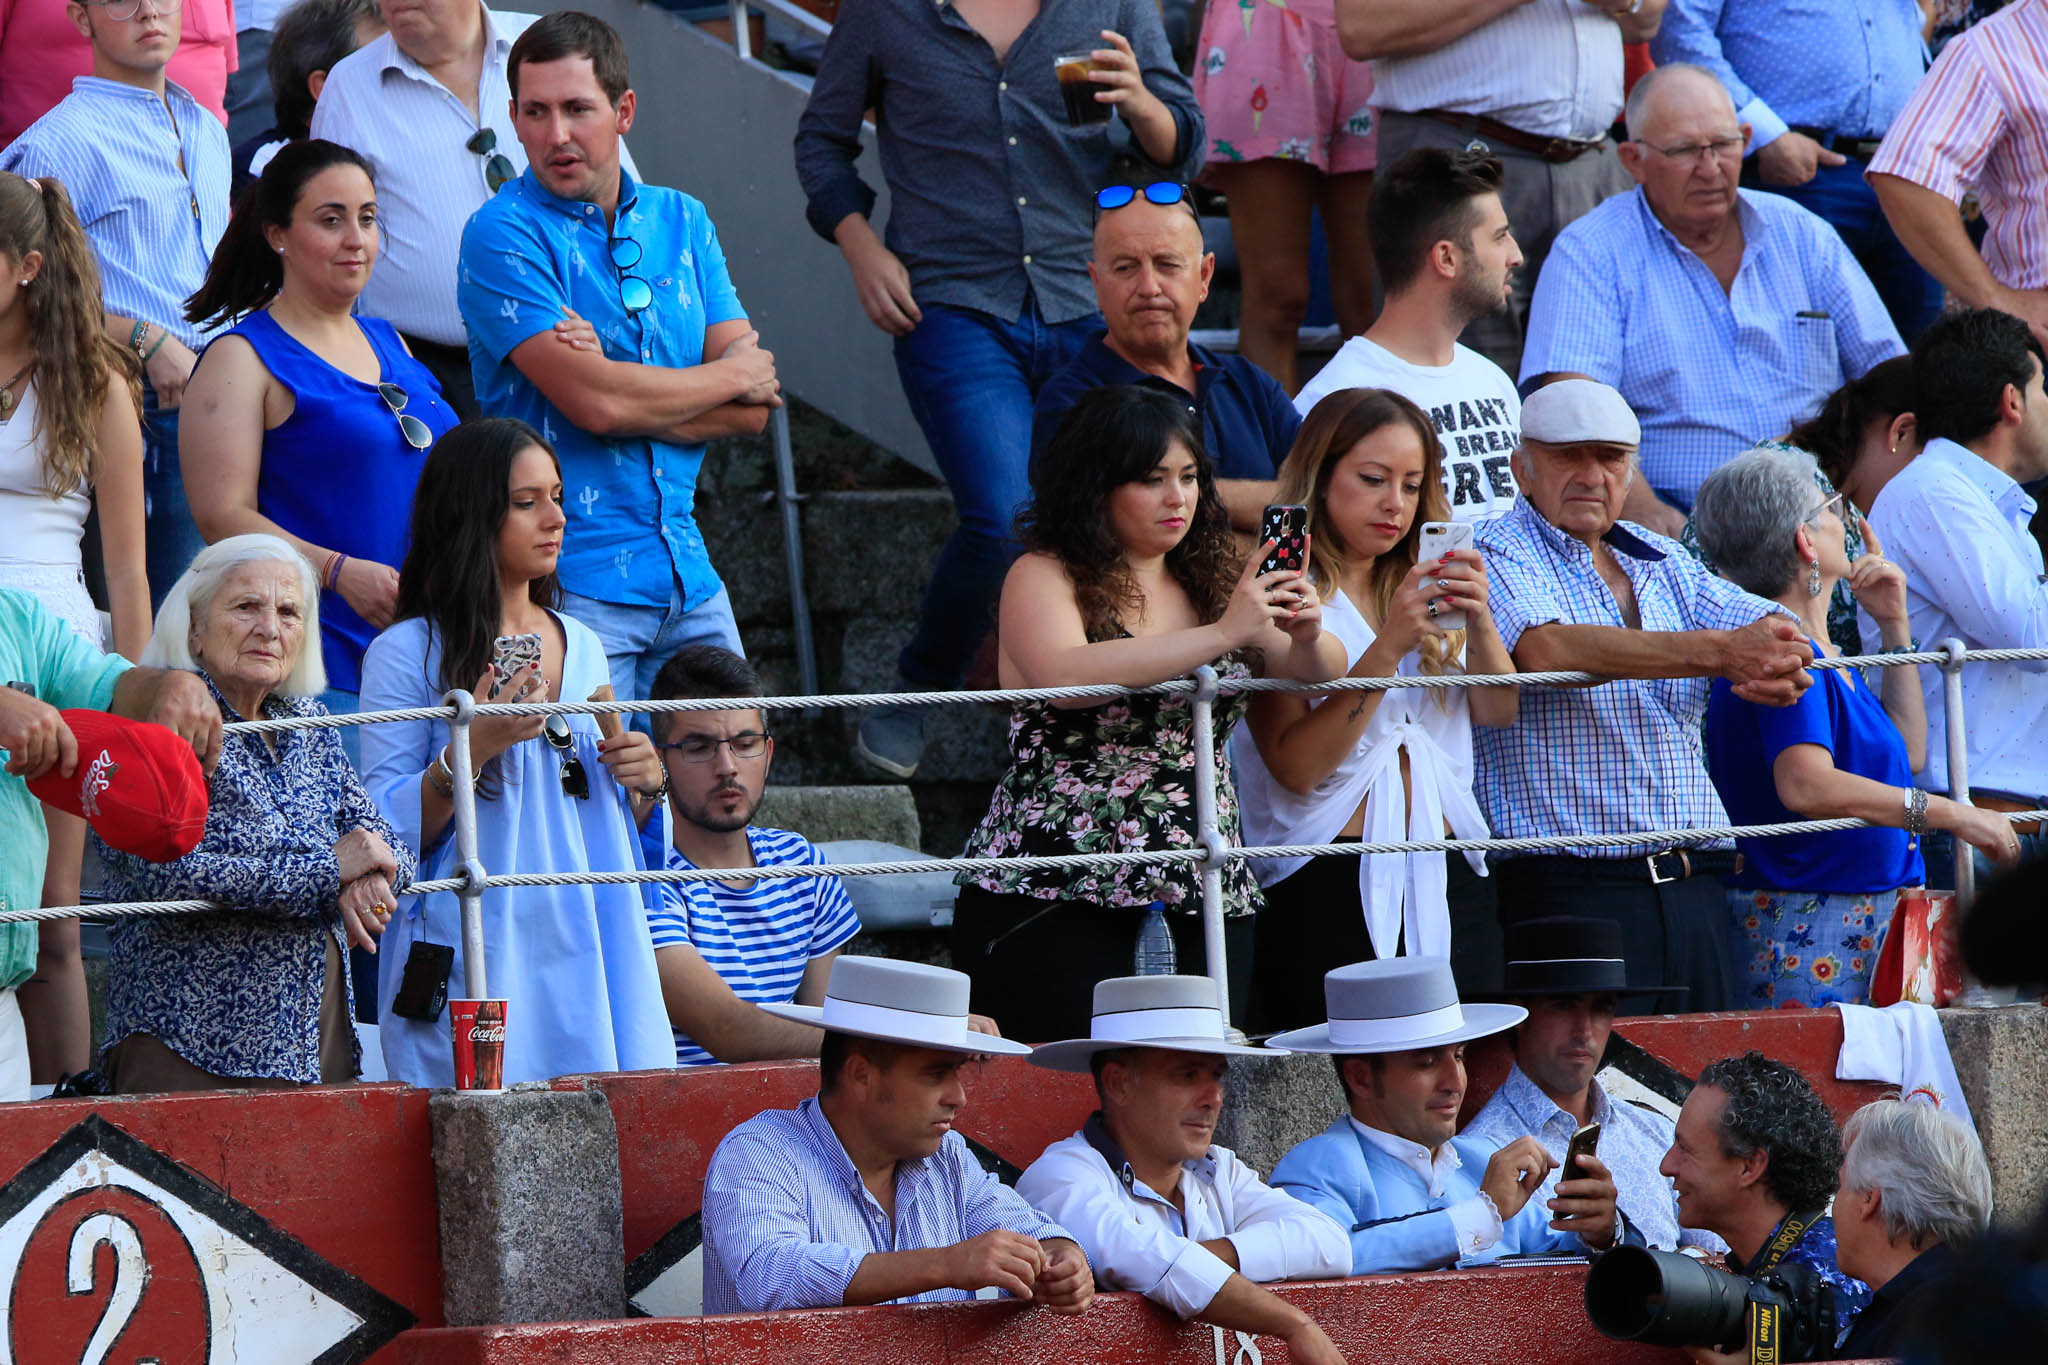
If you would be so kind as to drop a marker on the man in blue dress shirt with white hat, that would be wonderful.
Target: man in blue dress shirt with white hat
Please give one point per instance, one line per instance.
(1156, 1205)
(864, 1193)
(1390, 1170)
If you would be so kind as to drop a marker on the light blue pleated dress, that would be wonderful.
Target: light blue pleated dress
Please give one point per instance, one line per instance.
(574, 963)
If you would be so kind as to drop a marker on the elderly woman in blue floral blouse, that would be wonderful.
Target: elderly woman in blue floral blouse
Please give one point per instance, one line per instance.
(257, 995)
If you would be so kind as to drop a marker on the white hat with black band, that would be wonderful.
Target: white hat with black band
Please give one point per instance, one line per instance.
(1173, 1013)
(1398, 1004)
(898, 1002)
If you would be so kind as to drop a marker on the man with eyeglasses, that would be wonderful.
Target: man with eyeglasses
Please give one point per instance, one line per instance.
(427, 105)
(1151, 273)
(579, 237)
(1723, 315)
(148, 171)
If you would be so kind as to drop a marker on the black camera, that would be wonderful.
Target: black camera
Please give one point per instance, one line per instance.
(1666, 1299)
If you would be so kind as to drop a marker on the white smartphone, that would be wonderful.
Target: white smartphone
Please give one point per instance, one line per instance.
(1438, 539)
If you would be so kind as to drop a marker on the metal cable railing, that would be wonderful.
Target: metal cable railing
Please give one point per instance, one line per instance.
(1211, 855)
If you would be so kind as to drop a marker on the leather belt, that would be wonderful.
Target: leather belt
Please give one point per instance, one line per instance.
(1555, 150)
(1856, 148)
(2000, 801)
(1658, 869)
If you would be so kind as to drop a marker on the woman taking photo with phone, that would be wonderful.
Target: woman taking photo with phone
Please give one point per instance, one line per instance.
(475, 594)
(1128, 577)
(1373, 766)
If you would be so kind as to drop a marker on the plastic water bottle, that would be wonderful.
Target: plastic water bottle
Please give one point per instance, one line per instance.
(1155, 955)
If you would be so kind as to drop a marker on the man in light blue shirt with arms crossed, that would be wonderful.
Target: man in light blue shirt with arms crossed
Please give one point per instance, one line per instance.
(577, 235)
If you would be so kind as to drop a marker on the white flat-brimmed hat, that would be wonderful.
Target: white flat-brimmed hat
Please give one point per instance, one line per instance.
(1398, 1004)
(898, 1002)
(1174, 1013)
(1579, 412)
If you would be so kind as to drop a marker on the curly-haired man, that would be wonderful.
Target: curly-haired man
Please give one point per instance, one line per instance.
(1755, 1159)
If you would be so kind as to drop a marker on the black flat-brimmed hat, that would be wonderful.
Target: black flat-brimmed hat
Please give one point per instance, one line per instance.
(1569, 955)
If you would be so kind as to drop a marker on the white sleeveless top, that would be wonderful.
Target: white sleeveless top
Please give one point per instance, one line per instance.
(35, 528)
(1397, 890)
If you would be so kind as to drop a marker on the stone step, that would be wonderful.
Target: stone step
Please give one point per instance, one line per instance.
(823, 814)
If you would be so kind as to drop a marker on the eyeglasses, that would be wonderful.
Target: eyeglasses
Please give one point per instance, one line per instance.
(1831, 507)
(122, 11)
(1158, 192)
(1695, 151)
(497, 167)
(634, 292)
(704, 748)
(575, 781)
(417, 434)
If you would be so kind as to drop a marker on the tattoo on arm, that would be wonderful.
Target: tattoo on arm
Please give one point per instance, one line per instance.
(1358, 707)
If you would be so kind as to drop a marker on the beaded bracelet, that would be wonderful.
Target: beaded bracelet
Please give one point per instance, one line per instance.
(1910, 647)
(1916, 811)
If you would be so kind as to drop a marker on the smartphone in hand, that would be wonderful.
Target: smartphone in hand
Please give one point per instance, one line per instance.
(1286, 525)
(510, 654)
(1438, 539)
(1584, 1143)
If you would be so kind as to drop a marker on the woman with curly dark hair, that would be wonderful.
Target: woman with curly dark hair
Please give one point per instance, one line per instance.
(1129, 577)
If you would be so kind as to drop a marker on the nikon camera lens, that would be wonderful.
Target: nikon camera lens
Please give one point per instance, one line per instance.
(1661, 1297)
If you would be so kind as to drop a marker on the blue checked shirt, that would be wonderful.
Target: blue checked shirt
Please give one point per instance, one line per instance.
(1633, 1141)
(153, 225)
(1710, 372)
(1623, 756)
(526, 257)
(1764, 52)
(787, 1220)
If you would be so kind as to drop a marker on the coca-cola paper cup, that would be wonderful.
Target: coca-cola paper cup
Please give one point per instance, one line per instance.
(479, 1027)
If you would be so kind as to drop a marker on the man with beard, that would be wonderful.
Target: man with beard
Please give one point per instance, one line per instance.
(722, 946)
(1448, 258)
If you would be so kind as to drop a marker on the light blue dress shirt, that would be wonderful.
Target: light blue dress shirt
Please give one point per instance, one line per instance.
(787, 1219)
(1958, 527)
(1768, 54)
(1616, 758)
(153, 225)
(1633, 1141)
(1710, 372)
(527, 256)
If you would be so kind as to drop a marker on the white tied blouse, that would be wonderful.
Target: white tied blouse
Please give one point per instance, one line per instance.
(1399, 891)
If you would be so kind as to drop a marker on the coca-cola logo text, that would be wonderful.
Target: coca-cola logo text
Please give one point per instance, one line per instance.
(487, 1033)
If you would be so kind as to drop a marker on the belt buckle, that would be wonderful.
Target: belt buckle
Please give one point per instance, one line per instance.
(1684, 866)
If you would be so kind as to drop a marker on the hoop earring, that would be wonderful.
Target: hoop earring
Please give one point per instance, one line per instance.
(1813, 579)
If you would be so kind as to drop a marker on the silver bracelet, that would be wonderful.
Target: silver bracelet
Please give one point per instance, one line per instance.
(1916, 811)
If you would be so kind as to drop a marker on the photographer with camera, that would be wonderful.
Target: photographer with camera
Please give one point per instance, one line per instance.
(1754, 1160)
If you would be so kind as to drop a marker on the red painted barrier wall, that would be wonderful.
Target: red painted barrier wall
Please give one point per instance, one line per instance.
(305, 1217)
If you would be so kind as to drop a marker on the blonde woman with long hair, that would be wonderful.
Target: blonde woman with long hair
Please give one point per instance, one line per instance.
(70, 436)
(1376, 766)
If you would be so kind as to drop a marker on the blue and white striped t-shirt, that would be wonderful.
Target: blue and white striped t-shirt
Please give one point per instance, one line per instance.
(759, 937)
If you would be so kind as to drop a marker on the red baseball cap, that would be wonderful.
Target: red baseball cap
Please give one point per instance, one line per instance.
(138, 785)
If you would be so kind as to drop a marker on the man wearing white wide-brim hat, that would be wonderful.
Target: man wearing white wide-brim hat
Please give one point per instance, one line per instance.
(1156, 1205)
(1414, 1196)
(865, 1193)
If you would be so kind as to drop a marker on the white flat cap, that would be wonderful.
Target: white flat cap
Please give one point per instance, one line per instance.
(1577, 411)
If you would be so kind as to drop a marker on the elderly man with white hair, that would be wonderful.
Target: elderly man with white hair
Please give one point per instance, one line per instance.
(258, 995)
(1914, 1184)
(1723, 315)
(1575, 588)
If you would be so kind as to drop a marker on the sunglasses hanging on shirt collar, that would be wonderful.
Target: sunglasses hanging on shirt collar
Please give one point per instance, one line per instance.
(497, 167)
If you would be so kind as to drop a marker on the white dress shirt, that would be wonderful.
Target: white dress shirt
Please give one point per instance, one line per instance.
(1958, 527)
(1476, 1220)
(1549, 67)
(1137, 1240)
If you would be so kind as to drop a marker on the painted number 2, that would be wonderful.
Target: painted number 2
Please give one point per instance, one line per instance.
(131, 1276)
(1237, 1348)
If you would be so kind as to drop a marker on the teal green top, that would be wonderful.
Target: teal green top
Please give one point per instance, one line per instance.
(39, 649)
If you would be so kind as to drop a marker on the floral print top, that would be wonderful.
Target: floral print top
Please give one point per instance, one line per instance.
(1109, 779)
(238, 993)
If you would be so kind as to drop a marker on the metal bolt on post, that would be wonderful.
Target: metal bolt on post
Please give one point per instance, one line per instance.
(1210, 837)
(471, 895)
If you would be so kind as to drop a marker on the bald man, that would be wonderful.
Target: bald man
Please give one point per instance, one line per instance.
(1722, 315)
(1150, 274)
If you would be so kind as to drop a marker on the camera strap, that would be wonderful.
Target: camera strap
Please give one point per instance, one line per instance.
(1765, 1329)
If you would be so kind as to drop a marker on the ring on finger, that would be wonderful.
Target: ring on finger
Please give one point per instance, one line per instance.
(1432, 611)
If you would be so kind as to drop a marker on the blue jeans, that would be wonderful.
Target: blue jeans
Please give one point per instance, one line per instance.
(1844, 198)
(971, 380)
(639, 640)
(1938, 849)
(171, 537)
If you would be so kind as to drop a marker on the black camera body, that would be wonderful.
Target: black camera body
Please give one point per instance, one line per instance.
(1667, 1299)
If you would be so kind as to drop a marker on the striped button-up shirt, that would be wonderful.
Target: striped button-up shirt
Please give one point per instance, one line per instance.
(153, 223)
(1978, 123)
(787, 1220)
(1549, 67)
(1710, 371)
(1623, 756)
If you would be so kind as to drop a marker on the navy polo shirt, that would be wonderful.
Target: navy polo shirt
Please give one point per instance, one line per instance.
(1248, 421)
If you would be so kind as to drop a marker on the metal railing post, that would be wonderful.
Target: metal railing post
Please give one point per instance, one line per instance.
(1958, 742)
(1211, 839)
(742, 39)
(475, 984)
(793, 546)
